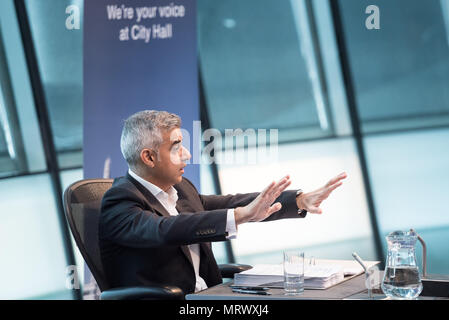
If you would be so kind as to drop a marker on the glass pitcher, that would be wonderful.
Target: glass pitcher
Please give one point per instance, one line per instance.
(401, 278)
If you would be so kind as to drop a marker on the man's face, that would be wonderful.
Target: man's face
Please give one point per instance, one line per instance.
(170, 162)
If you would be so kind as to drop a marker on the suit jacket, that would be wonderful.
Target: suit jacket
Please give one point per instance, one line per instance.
(142, 245)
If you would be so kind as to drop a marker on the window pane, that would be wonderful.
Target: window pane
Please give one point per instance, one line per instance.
(6, 162)
(33, 260)
(59, 52)
(18, 119)
(3, 150)
(411, 191)
(258, 70)
(67, 178)
(401, 71)
(343, 227)
(4, 155)
(12, 154)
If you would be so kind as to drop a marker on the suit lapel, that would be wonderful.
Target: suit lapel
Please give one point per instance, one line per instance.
(206, 259)
(154, 203)
(157, 206)
(207, 250)
(185, 249)
(206, 254)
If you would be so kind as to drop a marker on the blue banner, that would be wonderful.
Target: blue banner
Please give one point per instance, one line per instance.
(138, 54)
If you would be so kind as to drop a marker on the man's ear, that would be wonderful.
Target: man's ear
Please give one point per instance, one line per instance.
(148, 157)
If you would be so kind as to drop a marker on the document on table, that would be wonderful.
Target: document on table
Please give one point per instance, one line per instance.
(350, 267)
(320, 275)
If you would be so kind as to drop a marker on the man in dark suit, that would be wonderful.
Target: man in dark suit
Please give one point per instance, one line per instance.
(155, 228)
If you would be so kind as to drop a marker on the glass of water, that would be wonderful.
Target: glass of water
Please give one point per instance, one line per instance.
(293, 272)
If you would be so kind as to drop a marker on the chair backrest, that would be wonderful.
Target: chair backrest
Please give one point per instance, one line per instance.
(82, 204)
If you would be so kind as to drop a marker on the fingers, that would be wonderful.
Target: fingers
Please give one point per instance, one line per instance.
(281, 186)
(333, 184)
(277, 189)
(275, 207)
(333, 187)
(336, 179)
(273, 186)
(267, 189)
(322, 193)
(315, 210)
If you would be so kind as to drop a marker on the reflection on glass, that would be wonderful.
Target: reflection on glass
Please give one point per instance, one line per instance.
(258, 68)
(12, 155)
(401, 71)
(59, 52)
(6, 164)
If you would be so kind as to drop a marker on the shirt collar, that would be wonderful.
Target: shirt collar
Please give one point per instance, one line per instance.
(155, 190)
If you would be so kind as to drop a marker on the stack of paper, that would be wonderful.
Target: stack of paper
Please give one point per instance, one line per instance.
(322, 276)
(318, 274)
(315, 277)
(260, 274)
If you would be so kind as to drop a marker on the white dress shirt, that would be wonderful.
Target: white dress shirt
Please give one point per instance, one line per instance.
(168, 200)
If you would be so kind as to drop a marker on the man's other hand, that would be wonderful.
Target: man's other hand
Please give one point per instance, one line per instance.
(311, 201)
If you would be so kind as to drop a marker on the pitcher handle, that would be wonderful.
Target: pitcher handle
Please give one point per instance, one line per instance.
(424, 253)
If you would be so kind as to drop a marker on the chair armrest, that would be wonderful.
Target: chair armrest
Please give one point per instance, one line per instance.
(227, 270)
(143, 293)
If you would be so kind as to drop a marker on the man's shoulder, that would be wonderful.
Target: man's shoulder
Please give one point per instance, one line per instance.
(122, 182)
(121, 187)
(125, 187)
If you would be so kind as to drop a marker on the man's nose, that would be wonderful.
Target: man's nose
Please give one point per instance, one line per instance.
(185, 154)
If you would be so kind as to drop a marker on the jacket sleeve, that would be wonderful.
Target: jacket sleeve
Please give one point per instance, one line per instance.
(124, 221)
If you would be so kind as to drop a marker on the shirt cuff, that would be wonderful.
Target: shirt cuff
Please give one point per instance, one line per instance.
(231, 228)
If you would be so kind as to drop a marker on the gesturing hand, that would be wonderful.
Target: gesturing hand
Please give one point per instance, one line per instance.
(312, 200)
(262, 207)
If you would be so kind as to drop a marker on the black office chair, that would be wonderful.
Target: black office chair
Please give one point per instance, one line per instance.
(82, 203)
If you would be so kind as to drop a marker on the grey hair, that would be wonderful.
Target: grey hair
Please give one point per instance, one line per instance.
(143, 130)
